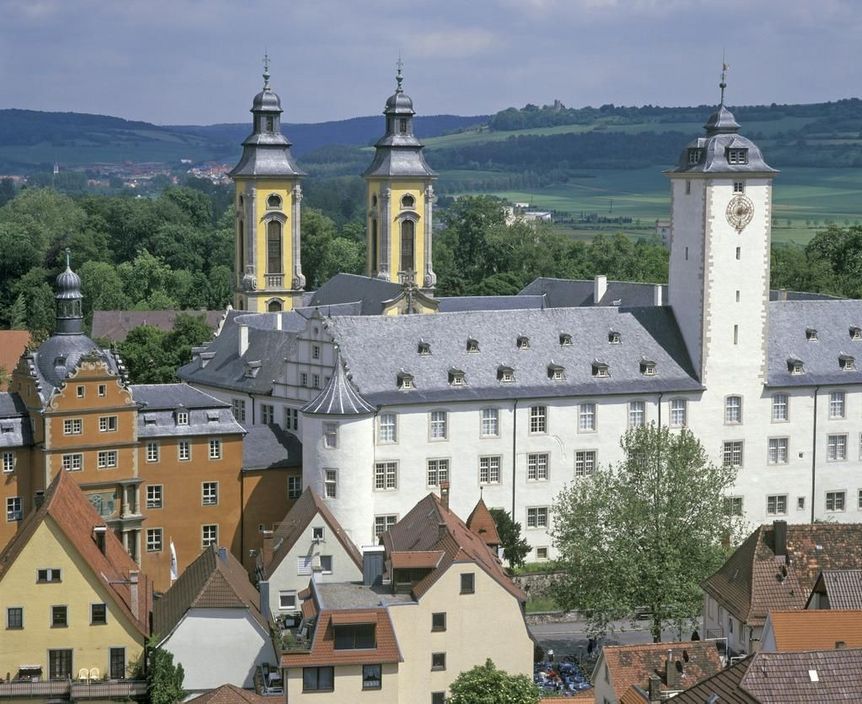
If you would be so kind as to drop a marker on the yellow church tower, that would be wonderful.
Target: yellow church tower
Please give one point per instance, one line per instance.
(267, 258)
(400, 198)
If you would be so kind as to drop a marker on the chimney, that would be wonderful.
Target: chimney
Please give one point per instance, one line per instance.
(657, 298)
(671, 673)
(99, 536)
(654, 688)
(38, 499)
(133, 592)
(266, 548)
(444, 494)
(779, 529)
(243, 339)
(600, 288)
(373, 558)
(278, 321)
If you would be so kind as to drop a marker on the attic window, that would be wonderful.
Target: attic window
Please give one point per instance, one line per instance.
(523, 342)
(811, 334)
(694, 156)
(737, 156)
(424, 349)
(182, 417)
(505, 374)
(855, 333)
(456, 377)
(149, 418)
(565, 339)
(647, 367)
(795, 366)
(212, 416)
(472, 345)
(556, 372)
(274, 201)
(252, 369)
(6, 428)
(600, 369)
(614, 337)
(405, 380)
(846, 362)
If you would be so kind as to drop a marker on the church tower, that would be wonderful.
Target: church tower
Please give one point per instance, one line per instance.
(267, 255)
(400, 198)
(721, 222)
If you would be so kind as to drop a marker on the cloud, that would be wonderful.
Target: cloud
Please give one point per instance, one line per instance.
(454, 43)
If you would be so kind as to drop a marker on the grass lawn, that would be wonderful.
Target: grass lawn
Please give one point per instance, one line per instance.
(541, 603)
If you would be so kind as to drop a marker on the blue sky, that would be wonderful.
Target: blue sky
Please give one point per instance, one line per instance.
(199, 61)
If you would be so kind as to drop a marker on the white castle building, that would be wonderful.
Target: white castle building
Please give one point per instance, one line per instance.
(393, 391)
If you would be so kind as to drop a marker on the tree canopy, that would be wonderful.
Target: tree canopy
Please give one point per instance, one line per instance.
(164, 679)
(642, 533)
(515, 546)
(485, 684)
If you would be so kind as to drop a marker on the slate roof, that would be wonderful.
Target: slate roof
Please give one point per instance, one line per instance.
(173, 396)
(115, 325)
(229, 694)
(13, 343)
(67, 506)
(748, 583)
(430, 526)
(456, 304)
(295, 523)
(215, 580)
(339, 397)
(481, 522)
(368, 291)
(843, 588)
(14, 421)
(159, 403)
(571, 293)
(376, 349)
(270, 447)
(633, 664)
(816, 629)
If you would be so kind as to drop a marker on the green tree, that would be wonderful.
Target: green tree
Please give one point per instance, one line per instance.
(515, 547)
(153, 356)
(642, 533)
(485, 684)
(38, 303)
(164, 679)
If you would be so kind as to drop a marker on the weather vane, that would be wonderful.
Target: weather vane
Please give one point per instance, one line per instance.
(723, 83)
(265, 69)
(398, 77)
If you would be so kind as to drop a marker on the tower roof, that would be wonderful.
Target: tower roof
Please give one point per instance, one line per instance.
(68, 283)
(482, 523)
(339, 397)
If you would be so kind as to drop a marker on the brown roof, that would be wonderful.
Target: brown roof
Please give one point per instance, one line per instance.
(116, 324)
(431, 526)
(797, 631)
(843, 588)
(724, 684)
(323, 650)
(418, 558)
(482, 523)
(585, 695)
(295, 523)
(752, 580)
(633, 664)
(230, 694)
(70, 510)
(215, 580)
(12, 346)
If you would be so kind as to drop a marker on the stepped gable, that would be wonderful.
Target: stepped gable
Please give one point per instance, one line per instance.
(66, 505)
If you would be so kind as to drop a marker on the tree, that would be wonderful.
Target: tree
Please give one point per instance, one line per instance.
(643, 533)
(153, 356)
(515, 547)
(485, 684)
(164, 679)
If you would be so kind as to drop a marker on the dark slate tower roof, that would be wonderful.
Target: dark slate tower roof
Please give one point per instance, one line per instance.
(399, 152)
(721, 150)
(339, 397)
(266, 151)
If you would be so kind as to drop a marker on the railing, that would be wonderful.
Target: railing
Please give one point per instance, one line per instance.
(75, 690)
(274, 280)
(58, 688)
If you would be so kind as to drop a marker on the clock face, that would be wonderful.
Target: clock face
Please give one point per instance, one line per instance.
(739, 212)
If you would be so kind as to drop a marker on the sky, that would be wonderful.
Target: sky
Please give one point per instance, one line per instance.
(199, 61)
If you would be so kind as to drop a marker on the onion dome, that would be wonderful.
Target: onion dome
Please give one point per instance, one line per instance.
(70, 314)
(68, 283)
(339, 397)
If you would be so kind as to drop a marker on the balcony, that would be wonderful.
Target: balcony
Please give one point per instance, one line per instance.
(117, 690)
(274, 280)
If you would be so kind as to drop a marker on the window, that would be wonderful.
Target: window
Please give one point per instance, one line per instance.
(438, 429)
(678, 412)
(408, 201)
(733, 505)
(538, 419)
(14, 618)
(402, 125)
(326, 564)
(387, 428)
(522, 342)
(846, 362)
(601, 370)
(8, 462)
(506, 375)
(384, 523)
(739, 186)
(98, 615)
(267, 413)
(73, 426)
(489, 470)
(355, 636)
(456, 377)
(490, 423)
(273, 247)
(438, 621)
(106, 459)
(542, 553)
(215, 449)
(59, 616)
(859, 499)
(209, 493)
(836, 448)
(315, 351)
(303, 379)
(614, 337)
(60, 664)
(152, 451)
(694, 156)
(154, 496)
(733, 409)
(795, 366)
(587, 417)
(468, 583)
(408, 235)
(318, 533)
(855, 333)
(438, 661)
(330, 435)
(565, 339)
(209, 535)
(385, 475)
(777, 451)
(647, 367)
(49, 575)
(318, 679)
(835, 500)
(315, 381)
(372, 677)
(274, 200)
(182, 417)
(287, 600)
(800, 503)
(556, 372)
(472, 345)
(270, 123)
(404, 380)
(424, 349)
(118, 663)
(237, 407)
(776, 505)
(438, 697)
(291, 419)
(780, 405)
(537, 517)
(537, 466)
(811, 334)
(108, 424)
(737, 156)
(732, 454)
(102, 390)
(80, 391)
(330, 486)
(294, 487)
(836, 404)
(73, 462)
(13, 508)
(585, 462)
(154, 539)
(637, 414)
(184, 450)
(438, 471)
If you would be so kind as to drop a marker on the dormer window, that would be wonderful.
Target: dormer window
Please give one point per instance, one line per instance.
(424, 349)
(565, 339)
(556, 372)
(601, 369)
(614, 337)
(694, 156)
(252, 369)
(456, 377)
(212, 416)
(472, 345)
(737, 156)
(647, 367)
(182, 417)
(855, 333)
(505, 374)
(811, 334)
(273, 202)
(795, 366)
(405, 380)
(408, 201)
(523, 342)
(149, 418)
(847, 362)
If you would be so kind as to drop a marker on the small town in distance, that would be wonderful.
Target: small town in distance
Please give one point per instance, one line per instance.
(409, 441)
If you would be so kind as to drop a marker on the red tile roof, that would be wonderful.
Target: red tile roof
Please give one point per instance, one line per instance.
(420, 559)
(482, 523)
(797, 631)
(230, 694)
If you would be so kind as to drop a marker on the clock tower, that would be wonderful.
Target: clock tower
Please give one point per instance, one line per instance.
(721, 217)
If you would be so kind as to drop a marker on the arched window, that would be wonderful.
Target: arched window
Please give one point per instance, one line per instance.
(270, 124)
(274, 307)
(274, 201)
(408, 201)
(273, 247)
(241, 243)
(374, 244)
(408, 228)
(373, 200)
